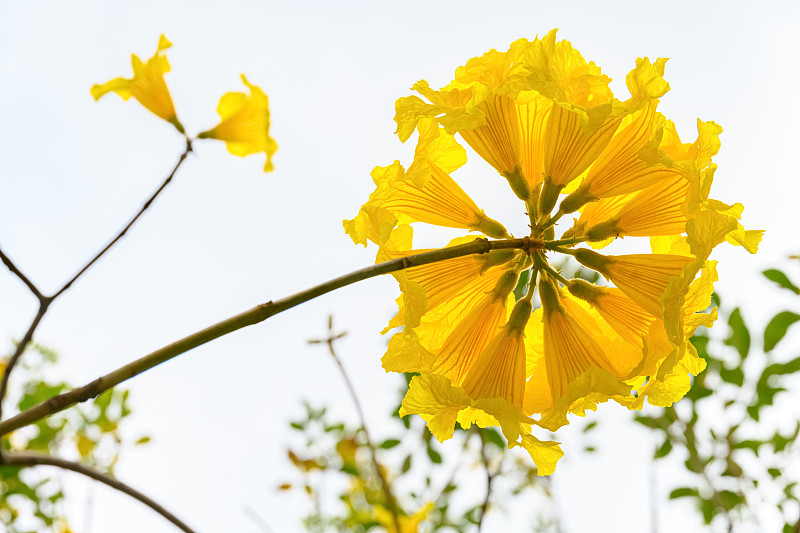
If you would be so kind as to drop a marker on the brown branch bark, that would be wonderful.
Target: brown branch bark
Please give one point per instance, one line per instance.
(28, 459)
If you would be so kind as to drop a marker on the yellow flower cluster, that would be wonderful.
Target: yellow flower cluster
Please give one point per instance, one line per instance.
(245, 119)
(546, 120)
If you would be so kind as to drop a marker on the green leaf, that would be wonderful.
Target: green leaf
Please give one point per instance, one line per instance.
(731, 499)
(349, 469)
(781, 279)
(683, 492)
(406, 464)
(388, 444)
(708, 509)
(652, 422)
(753, 445)
(664, 449)
(435, 457)
(739, 337)
(774, 472)
(492, 436)
(732, 375)
(732, 468)
(777, 327)
(765, 392)
(519, 290)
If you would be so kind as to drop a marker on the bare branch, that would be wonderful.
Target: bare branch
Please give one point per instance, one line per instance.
(489, 479)
(17, 272)
(29, 459)
(45, 301)
(21, 345)
(391, 502)
(133, 220)
(248, 318)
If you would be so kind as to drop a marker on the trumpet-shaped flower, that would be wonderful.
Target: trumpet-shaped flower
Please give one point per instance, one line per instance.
(147, 85)
(245, 124)
(545, 119)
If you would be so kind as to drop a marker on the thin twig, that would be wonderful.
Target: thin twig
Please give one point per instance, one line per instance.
(248, 318)
(133, 220)
(45, 301)
(385, 485)
(685, 429)
(29, 459)
(489, 478)
(17, 272)
(21, 345)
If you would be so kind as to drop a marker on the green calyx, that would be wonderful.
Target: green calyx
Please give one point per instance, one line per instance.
(548, 197)
(548, 294)
(593, 260)
(505, 284)
(576, 200)
(518, 183)
(519, 317)
(489, 226)
(603, 231)
(585, 291)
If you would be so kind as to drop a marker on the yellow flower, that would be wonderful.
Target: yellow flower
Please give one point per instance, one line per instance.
(545, 119)
(408, 524)
(147, 85)
(245, 124)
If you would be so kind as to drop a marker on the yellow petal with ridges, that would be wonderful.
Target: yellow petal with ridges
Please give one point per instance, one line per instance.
(592, 387)
(499, 370)
(469, 338)
(406, 354)
(570, 349)
(660, 209)
(568, 148)
(645, 278)
(244, 124)
(147, 85)
(545, 454)
(437, 147)
(432, 395)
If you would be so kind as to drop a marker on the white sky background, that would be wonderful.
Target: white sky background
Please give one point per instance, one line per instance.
(225, 236)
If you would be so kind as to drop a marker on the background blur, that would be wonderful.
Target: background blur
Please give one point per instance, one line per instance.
(225, 236)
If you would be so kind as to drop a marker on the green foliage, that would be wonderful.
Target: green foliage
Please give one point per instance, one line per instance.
(735, 460)
(89, 431)
(777, 327)
(336, 472)
(739, 337)
(781, 279)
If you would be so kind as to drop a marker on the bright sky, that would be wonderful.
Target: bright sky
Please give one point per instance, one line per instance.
(225, 236)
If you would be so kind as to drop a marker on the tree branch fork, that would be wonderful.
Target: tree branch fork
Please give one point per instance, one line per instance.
(250, 317)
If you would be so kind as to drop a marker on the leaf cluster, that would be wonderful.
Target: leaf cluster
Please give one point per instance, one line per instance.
(333, 464)
(730, 430)
(29, 500)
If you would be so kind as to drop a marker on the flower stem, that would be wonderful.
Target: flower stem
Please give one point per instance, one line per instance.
(551, 245)
(552, 220)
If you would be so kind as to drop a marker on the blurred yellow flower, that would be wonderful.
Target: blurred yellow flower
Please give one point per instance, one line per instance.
(545, 119)
(408, 524)
(245, 124)
(147, 85)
